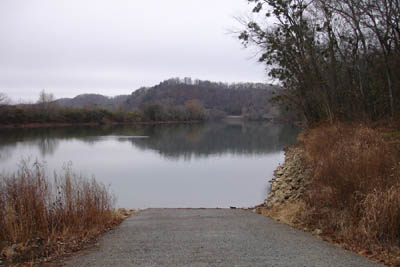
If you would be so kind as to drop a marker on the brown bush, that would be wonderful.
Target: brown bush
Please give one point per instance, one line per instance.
(32, 206)
(355, 188)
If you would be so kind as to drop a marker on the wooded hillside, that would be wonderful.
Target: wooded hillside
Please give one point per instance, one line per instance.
(250, 99)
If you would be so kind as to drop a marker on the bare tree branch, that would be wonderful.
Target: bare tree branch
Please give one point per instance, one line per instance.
(4, 100)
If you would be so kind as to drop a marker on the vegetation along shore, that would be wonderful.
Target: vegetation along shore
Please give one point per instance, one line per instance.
(341, 182)
(43, 218)
(173, 100)
(338, 64)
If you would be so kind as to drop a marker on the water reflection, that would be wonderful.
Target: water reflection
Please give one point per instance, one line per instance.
(188, 141)
(172, 165)
(172, 141)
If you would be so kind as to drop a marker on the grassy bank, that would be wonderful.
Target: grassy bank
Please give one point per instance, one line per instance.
(352, 193)
(42, 217)
(355, 185)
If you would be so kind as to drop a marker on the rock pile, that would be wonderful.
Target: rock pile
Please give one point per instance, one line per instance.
(290, 179)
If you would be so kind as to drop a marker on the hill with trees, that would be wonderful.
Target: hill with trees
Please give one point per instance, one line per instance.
(169, 100)
(248, 99)
(172, 100)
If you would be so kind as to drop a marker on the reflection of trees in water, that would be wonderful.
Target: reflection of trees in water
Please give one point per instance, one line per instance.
(47, 146)
(5, 153)
(47, 140)
(201, 140)
(170, 140)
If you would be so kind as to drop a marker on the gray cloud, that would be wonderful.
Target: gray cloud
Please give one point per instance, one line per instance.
(115, 46)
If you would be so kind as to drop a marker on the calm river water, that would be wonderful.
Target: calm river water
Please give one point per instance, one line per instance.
(175, 165)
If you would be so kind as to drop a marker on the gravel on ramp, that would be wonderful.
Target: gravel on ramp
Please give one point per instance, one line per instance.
(211, 237)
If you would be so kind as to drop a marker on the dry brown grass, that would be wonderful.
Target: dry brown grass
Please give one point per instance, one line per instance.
(287, 213)
(355, 189)
(35, 207)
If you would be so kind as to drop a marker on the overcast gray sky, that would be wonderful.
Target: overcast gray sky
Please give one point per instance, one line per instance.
(112, 47)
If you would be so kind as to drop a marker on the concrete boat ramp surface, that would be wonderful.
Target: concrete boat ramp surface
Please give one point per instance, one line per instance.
(211, 237)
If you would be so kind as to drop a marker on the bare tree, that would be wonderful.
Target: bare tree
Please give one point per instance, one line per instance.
(335, 59)
(46, 101)
(4, 100)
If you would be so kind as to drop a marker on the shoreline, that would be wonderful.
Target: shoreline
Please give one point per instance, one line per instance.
(35, 252)
(55, 124)
(290, 179)
(284, 200)
(288, 202)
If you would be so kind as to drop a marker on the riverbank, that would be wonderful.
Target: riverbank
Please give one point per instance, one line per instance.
(341, 182)
(52, 115)
(42, 219)
(284, 202)
(44, 125)
(39, 251)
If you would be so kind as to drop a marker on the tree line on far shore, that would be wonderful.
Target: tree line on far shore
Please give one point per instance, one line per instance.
(47, 111)
(172, 100)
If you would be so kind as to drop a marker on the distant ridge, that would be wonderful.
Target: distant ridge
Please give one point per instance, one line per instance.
(93, 101)
(233, 99)
(251, 99)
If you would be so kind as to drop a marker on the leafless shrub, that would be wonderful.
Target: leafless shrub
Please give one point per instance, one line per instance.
(34, 206)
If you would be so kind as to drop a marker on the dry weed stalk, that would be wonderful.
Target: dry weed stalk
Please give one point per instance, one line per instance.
(34, 207)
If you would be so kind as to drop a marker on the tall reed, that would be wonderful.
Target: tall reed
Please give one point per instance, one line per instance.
(33, 205)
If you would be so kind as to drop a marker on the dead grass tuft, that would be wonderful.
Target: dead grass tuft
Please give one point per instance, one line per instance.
(288, 212)
(355, 188)
(40, 211)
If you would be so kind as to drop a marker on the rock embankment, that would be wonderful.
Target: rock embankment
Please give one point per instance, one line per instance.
(290, 179)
